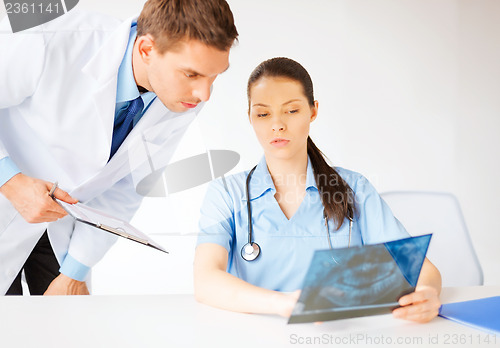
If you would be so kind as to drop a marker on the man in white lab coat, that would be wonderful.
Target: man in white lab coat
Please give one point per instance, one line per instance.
(81, 98)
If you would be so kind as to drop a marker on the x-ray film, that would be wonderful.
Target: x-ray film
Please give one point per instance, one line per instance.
(360, 281)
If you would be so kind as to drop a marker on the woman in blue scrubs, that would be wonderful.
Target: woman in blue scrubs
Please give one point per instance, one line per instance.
(295, 197)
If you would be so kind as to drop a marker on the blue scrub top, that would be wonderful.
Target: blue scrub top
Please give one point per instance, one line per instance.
(287, 246)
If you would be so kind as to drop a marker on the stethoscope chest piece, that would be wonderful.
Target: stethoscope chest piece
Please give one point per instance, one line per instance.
(250, 251)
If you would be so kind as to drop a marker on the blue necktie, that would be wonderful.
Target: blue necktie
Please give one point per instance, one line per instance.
(123, 128)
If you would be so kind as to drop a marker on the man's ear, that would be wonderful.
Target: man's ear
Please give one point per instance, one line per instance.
(314, 110)
(145, 46)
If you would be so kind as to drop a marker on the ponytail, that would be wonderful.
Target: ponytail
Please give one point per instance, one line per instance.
(336, 195)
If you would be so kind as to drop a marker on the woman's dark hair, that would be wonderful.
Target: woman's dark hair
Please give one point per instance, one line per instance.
(336, 195)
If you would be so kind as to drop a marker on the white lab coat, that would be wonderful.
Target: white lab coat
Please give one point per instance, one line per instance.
(57, 101)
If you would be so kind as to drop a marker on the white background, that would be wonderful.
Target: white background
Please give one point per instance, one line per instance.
(408, 93)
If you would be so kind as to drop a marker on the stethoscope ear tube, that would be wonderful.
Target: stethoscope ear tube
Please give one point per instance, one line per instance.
(350, 218)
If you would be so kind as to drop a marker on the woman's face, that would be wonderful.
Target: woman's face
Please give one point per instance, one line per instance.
(281, 115)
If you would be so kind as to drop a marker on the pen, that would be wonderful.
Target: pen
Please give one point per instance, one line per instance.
(52, 190)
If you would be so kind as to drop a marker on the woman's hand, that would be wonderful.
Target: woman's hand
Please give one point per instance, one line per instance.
(286, 303)
(420, 306)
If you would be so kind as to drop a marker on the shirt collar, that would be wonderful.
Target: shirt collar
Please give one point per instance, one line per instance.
(127, 88)
(261, 181)
(310, 179)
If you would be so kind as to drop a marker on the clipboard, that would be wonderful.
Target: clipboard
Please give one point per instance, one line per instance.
(97, 219)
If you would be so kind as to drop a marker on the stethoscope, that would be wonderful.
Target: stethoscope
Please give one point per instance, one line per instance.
(251, 250)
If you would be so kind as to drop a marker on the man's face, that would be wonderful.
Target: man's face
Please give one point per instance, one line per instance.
(182, 77)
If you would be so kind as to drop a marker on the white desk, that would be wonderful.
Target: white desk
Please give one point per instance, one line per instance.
(179, 321)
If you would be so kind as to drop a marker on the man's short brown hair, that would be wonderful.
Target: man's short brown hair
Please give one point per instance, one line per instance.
(171, 21)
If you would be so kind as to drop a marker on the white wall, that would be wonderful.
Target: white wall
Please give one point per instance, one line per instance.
(408, 93)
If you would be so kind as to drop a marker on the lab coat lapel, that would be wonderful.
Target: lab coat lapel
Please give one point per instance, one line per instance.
(104, 101)
(103, 67)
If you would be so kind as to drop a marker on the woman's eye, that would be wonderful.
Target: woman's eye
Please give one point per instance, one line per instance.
(262, 115)
(190, 75)
(293, 111)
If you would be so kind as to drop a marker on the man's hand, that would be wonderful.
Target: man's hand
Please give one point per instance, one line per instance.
(30, 197)
(64, 285)
(420, 306)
